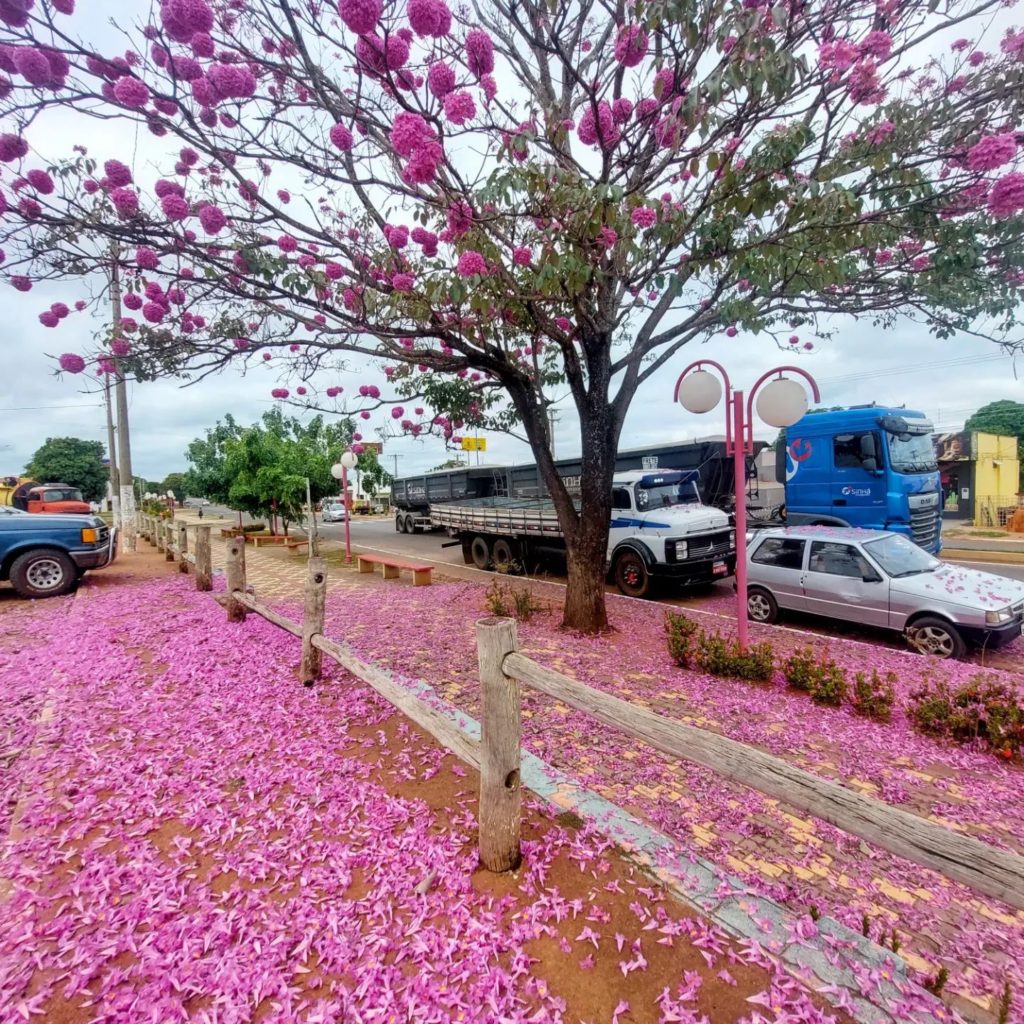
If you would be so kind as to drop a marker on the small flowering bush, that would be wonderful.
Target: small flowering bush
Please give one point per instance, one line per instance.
(983, 709)
(873, 694)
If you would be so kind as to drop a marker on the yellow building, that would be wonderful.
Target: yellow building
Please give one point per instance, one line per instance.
(980, 477)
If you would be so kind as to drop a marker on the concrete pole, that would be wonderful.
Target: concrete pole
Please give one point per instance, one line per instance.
(124, 447)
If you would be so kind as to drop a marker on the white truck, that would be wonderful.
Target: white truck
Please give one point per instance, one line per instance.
(659, 530)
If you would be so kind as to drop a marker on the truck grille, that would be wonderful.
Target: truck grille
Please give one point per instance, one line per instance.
(104, 535)
(707, 545)
(924, 526)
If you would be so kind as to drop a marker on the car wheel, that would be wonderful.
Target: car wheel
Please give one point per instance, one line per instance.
(761, 606)
(43, 574)
(935, 637)
(480, 552)
(631, 575)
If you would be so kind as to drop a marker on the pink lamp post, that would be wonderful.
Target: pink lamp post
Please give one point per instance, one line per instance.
(340, 472)
(780, 404)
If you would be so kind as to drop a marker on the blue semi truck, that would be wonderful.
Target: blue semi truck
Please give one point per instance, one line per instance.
(866, 466)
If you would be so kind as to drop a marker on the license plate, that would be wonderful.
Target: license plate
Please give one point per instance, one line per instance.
(719, 569)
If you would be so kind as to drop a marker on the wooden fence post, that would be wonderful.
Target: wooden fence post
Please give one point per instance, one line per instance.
(182, 547)
(313, 620)
(204, 559)
(169, 532)
(235, 571)
(161, 539)
(501, 728)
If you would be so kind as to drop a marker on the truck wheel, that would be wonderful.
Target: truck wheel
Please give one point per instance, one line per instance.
(400, 523)
(761, 606)
(631, 575)
(44, 573)
(410, 524)
(504, 553)
(480, 552)
(935, 636)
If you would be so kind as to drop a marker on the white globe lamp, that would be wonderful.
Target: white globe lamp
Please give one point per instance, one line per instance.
(782, 402)
(349, 460)
(337, 471)
(699, 392)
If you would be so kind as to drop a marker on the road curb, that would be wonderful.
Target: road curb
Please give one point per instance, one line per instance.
(983, 555)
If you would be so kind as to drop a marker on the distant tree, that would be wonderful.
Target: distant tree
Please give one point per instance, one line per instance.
(207, 475)
(267, 465)
(71, 460)
(450, 464)
(373, 476)
(1003, 417)
(175, 483)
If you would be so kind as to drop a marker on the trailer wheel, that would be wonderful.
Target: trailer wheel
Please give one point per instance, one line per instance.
(480, 552)
(504, 554)
(631, 575)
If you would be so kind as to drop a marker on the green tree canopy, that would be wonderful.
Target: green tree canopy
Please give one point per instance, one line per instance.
(373, 476)
(207, 475)
(73, 461)
(175, 483)
(1004, 417)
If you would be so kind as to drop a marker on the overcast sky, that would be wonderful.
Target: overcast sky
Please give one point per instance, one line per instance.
(946, 379)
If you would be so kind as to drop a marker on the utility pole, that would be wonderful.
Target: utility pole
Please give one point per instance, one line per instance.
(552, 415)
(124, 448)
(114, 483)
(396, 457)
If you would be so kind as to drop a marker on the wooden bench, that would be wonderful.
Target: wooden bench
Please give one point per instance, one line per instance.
(266, 538)
(294, 545)
(390, 568)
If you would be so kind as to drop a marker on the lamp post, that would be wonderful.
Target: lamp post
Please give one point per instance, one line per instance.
(170, 502)
(781, 403)
(339, 471)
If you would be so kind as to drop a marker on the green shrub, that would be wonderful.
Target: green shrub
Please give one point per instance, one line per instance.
(681, 633)
(873, 697)
(830, 686)
(526, 606)
(497, 599)
(821, 677)
(756, 664)
(799, 669)
(505, 601)
(980, 709)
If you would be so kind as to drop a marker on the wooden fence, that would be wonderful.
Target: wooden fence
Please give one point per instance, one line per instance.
(503, 670)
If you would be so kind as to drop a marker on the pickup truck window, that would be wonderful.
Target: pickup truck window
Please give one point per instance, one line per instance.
(782, 552)
(60, 494)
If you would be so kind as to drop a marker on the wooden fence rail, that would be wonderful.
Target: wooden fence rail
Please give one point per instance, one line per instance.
(995, 872)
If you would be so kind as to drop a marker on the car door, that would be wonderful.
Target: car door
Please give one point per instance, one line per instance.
(841, 583)
(778, 565)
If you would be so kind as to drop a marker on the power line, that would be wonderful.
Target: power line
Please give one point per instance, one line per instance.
(914, 368)
(33, 408)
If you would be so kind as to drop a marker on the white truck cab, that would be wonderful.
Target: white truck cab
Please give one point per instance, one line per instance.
(659, 528)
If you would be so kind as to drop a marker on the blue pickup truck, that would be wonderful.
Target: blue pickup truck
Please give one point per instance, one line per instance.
(44, 555)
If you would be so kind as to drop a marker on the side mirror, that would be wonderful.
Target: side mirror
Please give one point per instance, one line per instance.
(871, 577)
(870, 464)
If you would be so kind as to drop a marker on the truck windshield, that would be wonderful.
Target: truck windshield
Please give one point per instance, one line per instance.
(61, 494)
(665, 495)
(912, 453)
(899, 557)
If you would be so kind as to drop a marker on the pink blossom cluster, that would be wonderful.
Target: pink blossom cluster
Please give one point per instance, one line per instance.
(1007, 196)
(414, 139)
(992, 151)
(360, 16)
(70, 362)
(479, 53)
(471, 263)
(41, 67)
(279, 393)
(644, 217)
(440, 79)
(600, 129)
(429, 17)
(631, 45)
(459, 107)
(183, 19)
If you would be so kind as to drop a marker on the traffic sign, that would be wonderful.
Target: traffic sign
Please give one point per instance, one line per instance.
(474, 444)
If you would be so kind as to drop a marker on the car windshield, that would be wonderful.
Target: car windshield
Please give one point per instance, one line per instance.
(900, 557)
(62, 494)
(665, 495)
(912, 453)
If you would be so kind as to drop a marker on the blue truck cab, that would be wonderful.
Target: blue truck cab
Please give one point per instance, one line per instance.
(867, 466)
(45, 554)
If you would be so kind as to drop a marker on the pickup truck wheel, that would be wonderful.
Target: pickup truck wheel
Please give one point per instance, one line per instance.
(936, 637)
(43, 573)
(761, 606)
(631, 575)
(480, 552)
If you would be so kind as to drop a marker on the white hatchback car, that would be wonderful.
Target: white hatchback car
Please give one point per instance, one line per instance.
(881, 579)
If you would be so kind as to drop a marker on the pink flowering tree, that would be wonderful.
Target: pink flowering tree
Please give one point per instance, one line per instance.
(526, 195)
